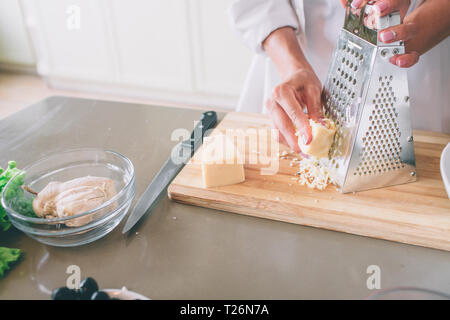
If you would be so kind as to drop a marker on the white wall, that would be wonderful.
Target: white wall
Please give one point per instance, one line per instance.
(171, 50)
(15, 47)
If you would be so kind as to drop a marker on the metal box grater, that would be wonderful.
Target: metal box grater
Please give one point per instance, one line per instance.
(368, 99)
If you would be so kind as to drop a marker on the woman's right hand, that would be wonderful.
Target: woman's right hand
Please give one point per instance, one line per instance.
(299, 88)
(286, 106)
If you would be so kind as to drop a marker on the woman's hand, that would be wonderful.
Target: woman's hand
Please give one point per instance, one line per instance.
(287, 103)
(299, 88)
(405, 31)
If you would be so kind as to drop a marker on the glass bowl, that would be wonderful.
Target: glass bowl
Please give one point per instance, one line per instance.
(65, 166)
(124, 294)
(409, 293)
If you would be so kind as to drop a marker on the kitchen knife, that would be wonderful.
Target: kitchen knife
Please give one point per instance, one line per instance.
(185, 150)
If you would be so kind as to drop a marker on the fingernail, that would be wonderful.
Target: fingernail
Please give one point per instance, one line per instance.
(387, 36)
(305, 140)
(322, 121)
(400, 63)
(356, 3)
(380, 6)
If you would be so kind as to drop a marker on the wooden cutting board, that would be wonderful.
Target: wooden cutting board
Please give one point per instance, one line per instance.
(417, 213)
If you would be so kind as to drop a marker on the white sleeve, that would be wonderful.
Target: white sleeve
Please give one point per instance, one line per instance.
(254, 20)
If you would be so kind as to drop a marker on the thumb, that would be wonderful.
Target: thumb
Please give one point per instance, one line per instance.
(304, 134)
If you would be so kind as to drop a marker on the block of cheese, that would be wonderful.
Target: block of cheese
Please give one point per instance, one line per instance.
(322, 139)
(221, 162)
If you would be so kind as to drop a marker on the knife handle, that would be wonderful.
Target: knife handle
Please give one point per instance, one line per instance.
(207, 121)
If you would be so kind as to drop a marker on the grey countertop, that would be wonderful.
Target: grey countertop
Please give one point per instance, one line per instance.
(186, 252)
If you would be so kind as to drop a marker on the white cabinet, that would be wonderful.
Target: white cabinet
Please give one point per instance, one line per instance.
(173, 50)
(221, 60)
(15, 47)
(152, 42)
(83, 52)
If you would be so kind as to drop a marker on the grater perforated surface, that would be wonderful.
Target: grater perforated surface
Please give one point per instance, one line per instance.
(381, 150)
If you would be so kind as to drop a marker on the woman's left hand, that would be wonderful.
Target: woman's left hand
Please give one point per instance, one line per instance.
(403, 31)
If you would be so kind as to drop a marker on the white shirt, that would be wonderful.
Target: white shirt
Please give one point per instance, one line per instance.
(317, 24)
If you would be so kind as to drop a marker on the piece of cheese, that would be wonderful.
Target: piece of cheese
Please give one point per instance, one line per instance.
(221, 162)
(322, 139)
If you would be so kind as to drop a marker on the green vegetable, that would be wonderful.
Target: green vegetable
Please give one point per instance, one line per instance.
(14, 195)
(16, 198)
(5, 176)
(7, 257)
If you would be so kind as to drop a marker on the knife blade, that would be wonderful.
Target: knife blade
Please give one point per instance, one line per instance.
(170, 169)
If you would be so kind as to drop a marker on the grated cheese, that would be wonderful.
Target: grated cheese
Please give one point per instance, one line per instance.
(315, 173)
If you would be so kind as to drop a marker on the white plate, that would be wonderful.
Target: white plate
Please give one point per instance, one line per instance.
(445, 168)
(124, 294)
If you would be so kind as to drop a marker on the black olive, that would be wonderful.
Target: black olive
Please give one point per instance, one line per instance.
(87, 288)
(65, 293)
(100, 295)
